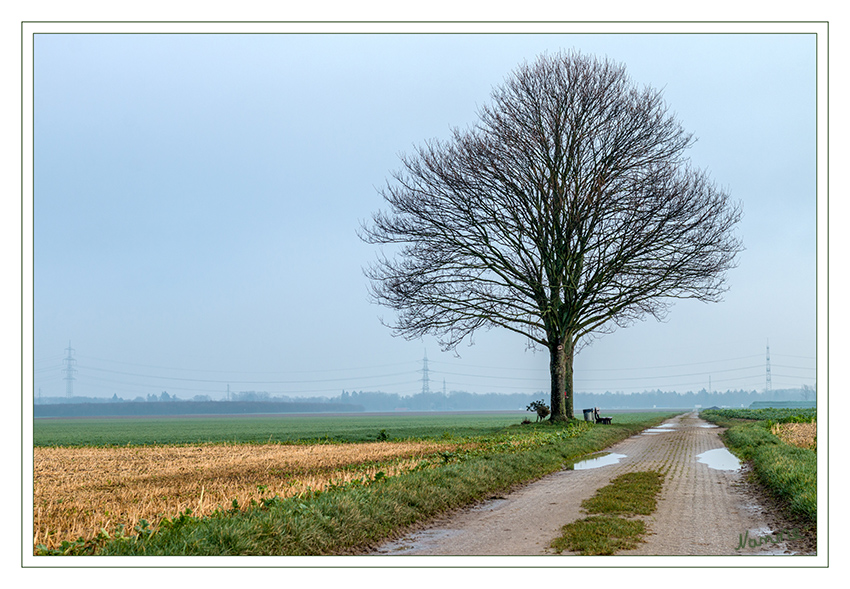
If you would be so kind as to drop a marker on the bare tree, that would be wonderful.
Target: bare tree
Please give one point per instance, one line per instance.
(566, 211)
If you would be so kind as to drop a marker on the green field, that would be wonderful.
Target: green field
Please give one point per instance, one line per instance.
(776, 414)
(266, 428)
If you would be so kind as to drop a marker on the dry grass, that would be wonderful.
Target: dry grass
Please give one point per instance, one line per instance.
(78, 491)
(802, 435)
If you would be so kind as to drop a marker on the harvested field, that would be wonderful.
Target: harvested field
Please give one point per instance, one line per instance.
(802, 435)
(78, 491)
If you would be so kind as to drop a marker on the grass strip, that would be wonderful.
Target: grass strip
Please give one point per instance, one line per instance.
(630, 494)
(348, 520)
(600, 535)
(633, 493)
(789, 472)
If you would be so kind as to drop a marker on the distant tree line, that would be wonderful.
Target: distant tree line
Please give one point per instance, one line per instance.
(463, 401)
(660, 399)
(261, 402)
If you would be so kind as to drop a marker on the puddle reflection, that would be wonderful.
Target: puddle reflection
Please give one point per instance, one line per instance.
(606, 460)
(720, 459)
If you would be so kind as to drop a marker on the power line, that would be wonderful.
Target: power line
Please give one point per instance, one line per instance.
(792, 367)
(424, 380)
(586, 389)
(94, 381)
(373, 367)
(614, 369)
(53, 368)
(247, 371)
(111, 385)
(231, 381)
(801, 357)
(377, 381)
(619, 379)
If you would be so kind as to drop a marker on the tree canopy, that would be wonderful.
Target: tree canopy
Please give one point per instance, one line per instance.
(567, 210)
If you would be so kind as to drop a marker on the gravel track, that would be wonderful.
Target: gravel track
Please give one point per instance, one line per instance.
(702, 510)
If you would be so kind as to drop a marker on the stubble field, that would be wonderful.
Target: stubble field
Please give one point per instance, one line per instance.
(80, 490)
(802, 435)
(99, 474)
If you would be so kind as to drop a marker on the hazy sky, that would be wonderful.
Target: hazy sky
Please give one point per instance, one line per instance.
(197, 199)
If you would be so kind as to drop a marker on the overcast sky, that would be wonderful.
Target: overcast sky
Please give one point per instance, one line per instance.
(197, 198)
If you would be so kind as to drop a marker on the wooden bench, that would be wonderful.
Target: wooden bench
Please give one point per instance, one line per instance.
(602, 420)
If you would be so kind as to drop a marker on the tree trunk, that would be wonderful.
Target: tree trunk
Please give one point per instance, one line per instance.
(558, 373)
(561, 371)
(569, 354)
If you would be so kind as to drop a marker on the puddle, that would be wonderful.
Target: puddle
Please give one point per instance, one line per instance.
(660, 429)
(606, 460)
(490, 504)
(720, 459)
(707, 425)
(417, 541)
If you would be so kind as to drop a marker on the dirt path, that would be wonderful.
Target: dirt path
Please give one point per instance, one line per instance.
(703, 510)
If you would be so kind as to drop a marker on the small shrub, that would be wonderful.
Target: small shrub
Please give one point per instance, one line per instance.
(540, 407)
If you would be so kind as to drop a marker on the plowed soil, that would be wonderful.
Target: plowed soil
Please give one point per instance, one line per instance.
(704, 509)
